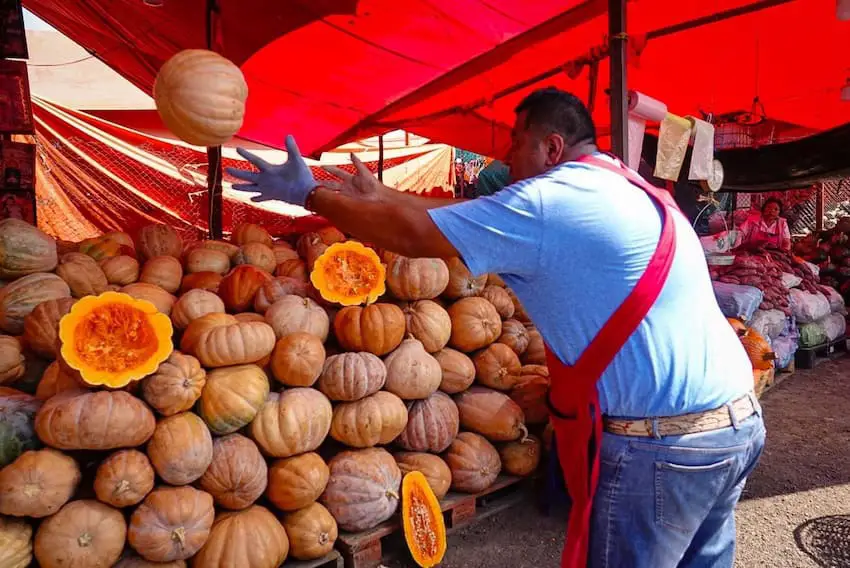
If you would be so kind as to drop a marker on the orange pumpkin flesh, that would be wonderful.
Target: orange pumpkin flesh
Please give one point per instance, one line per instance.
(424, 527)
(349, 274)
(113, 339)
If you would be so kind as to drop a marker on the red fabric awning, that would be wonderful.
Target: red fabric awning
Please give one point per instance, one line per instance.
(330, 71)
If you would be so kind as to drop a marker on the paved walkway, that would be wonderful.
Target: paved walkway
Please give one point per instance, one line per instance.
(799, 494)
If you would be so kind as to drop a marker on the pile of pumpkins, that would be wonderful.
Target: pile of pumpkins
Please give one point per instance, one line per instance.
(164, 403)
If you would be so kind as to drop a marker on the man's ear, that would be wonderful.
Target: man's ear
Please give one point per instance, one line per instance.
(556, 147)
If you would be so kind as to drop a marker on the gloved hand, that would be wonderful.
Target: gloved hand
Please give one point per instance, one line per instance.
(291, 181)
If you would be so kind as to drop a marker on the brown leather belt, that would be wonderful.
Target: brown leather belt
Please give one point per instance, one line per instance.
(723, 417)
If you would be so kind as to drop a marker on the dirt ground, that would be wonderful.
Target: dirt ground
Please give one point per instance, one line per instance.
(795, 512)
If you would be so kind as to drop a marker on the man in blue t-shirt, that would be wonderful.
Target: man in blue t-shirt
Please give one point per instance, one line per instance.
(572, 239)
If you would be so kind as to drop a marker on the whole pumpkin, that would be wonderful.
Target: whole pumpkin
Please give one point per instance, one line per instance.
(239, 287)
(56, 379)
(375, 420)
(519, 311)
(292, 314)
(521, 457)
(363, 489)
(24, 250)
(428, 322)
(124, 478)
(500, 299)
(17, 424)
(497, 367)
(293, 268)
(245, 233)
(193, 305)
(15, 543)
(82, 274)
(298, 359)
(292, 422)
(457, 368)
(310, 247)
(474, 463)
(181, 448)
(220, 340)
(330, 235)
(417, 278)
(312, 532)
(200, 97)
(284, 251)
(433, 467)
(121, 270)
(432, 424)
(758, 350)
(531, 393)
(297, 481)
(256, 254)
(252, 538)
(132, 560)
(536, 352)
(461, 282)
(352, 376)
(490, 413)
(276, 289)
(172, 523)
(82, 533)
(226, 247)
(163, 300)
(19, 298)
(38, 483)
(475, 324)
(207, 260)
(378, 328)
(515, 336)
(41, 326)
(238, 474)
(176, 385)
(494, 279)
(209, 281)
(232, 397)
(412, 373)
(100, 420)
(163, 271)
(12, 361)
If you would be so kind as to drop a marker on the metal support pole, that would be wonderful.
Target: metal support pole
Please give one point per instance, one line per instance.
(619, 91)
(381, 158)
(215, 171)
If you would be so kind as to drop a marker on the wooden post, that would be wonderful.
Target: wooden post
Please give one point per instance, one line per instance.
(381, 158)
(215, 171)
(619, 91)
(819, 208)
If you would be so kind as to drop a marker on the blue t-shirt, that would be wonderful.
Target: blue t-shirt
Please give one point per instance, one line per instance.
(572, 243)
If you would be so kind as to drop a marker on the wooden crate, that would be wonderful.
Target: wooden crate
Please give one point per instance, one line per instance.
(763, 380)
(365, 549)
(809, 357)
(331, 560)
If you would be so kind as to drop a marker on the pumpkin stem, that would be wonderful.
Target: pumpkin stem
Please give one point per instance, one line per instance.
(393, 494)
(179, 535)
(324, 539)
(123, 486)
(84, 540)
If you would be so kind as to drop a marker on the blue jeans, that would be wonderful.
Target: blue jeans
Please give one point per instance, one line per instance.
(670, 501)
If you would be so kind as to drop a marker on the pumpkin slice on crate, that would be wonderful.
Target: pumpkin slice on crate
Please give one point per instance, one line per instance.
(114, 339)
(349, 274)
(422, 520)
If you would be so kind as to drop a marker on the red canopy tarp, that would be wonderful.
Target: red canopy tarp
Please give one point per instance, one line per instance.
(330, 71)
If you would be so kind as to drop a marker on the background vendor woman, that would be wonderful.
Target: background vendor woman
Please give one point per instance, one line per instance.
(767, 230)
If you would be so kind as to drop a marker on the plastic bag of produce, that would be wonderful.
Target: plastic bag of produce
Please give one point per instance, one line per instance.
(834, 325)
(769, 323)
(836, 302)
(737, 301)
(812, 335)
(807, 307)
(785, 349)
(791, 280)
(814, 268)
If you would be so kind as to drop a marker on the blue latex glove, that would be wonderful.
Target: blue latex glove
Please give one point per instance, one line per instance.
(291, 181)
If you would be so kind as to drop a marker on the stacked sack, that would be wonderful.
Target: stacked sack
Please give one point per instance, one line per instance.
(280, 417)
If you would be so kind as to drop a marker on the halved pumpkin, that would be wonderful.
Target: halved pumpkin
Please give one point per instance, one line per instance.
(424, 528)
(350, 274)
(114, 339)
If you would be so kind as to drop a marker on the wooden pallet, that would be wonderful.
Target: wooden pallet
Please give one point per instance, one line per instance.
(810, 357)
(365, 549)
(331, 560)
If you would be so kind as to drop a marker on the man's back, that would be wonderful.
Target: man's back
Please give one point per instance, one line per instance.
(575, 241)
